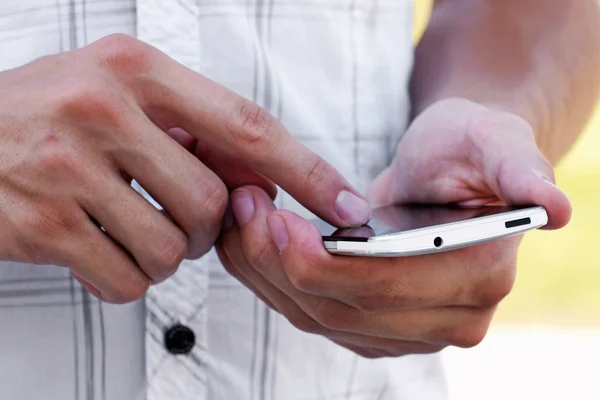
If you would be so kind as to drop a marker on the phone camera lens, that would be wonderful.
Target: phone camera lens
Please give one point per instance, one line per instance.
(437, 242)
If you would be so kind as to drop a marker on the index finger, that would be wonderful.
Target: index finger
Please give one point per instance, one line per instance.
(238, 128)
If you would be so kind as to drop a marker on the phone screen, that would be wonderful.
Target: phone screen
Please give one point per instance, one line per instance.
(396, 218)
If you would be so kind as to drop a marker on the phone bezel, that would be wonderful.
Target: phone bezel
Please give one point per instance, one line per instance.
(454, 235)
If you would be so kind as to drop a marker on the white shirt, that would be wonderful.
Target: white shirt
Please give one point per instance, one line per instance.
(335, 72)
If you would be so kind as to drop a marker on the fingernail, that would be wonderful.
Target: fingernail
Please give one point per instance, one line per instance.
(352, 209)
(242, 204)
(278, 231)
(228, 219)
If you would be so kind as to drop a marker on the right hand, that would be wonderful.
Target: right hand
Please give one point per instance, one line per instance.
(75, 128)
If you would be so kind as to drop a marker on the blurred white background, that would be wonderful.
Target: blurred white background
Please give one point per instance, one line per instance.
(527, 362)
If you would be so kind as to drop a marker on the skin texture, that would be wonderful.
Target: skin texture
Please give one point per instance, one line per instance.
(76, 128)
(397, 306)
(459, 152)
(500, 91)
(538, 59)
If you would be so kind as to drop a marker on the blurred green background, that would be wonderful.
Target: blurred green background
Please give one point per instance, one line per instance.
(558, 279)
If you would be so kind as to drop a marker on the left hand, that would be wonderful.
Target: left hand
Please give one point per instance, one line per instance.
(455, 152)
(459, 152)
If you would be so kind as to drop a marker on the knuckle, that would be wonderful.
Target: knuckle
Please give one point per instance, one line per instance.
(58, 220)
(208, 203)
(495, 287)
(39, 231)
(57, 159)
(304, 276)
(170, 251)
(215, 199)
(129, 291)
(318, 172)
(207, 208)
(253, 130)
(334, 316)
(466, 336)
(483, 129)
(479, 132)
(90, 100)
(52, 221)
(466, 333)
(124, 55)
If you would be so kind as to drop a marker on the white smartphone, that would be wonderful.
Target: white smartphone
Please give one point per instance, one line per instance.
(398, 231)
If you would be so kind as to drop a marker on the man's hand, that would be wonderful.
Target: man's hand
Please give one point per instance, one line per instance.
(76, 128)
(455, 152)
(460, 152)
(377, 307)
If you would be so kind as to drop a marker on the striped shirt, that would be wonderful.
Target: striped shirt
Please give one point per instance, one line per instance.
(335, 72)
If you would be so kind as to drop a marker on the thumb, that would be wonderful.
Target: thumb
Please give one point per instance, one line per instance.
(518, 173)
(295, 237)
(525, 181)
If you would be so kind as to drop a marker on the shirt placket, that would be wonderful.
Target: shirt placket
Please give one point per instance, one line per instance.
(176, 319)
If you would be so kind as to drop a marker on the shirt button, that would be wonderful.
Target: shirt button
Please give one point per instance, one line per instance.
(179, 339)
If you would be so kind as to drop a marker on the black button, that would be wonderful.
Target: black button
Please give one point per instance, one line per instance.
(179, 339)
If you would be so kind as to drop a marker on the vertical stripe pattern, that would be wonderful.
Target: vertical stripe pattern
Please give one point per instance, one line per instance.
(335, 73)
